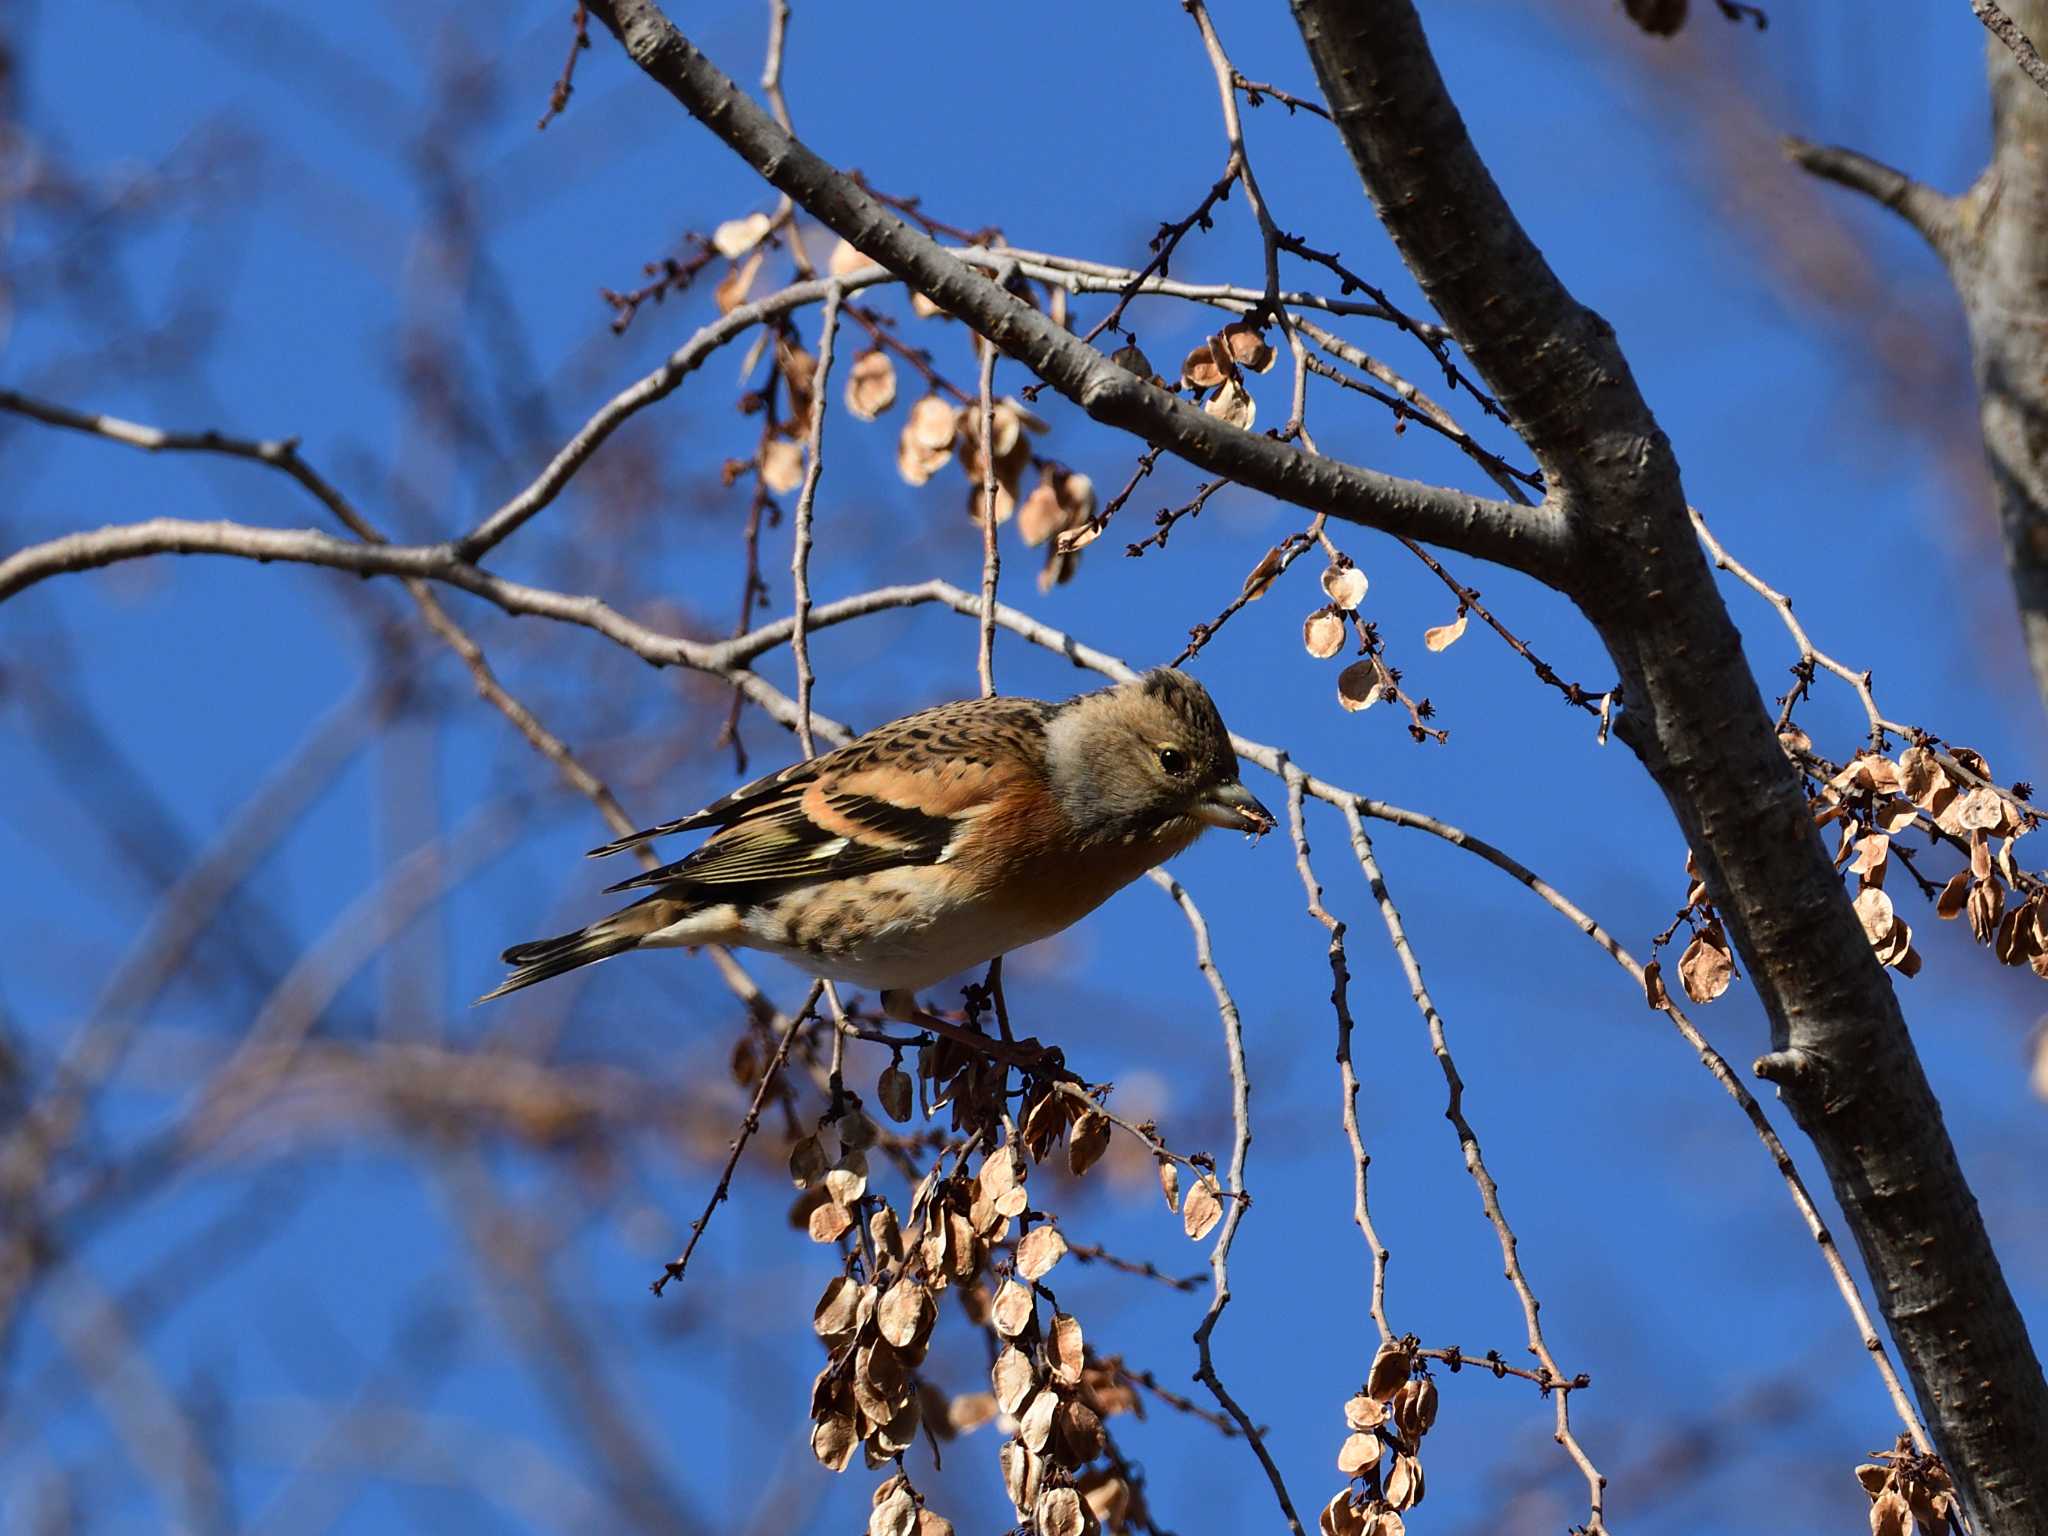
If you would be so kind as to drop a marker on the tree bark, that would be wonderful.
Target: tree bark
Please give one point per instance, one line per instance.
(2000, 268)
(1994, 241)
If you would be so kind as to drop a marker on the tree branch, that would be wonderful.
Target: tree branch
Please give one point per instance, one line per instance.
(1527, 539)
(2006, 30)
(432, 562)
(1933, 214)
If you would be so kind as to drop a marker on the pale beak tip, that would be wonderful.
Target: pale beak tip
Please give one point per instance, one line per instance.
(1236, 809)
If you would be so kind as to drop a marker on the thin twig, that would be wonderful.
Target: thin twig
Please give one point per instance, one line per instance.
(1144, 1269)
(1237, 1198)
(2007, 31)
(1475, 1164)
(1715, 1064)
(1233, 129)
(565, 83)
(991, 562)
(806, 498)
(749, 1124)
(1340, 1000)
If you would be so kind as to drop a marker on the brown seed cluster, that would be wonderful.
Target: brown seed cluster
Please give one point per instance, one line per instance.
(1382, 1455)
(968, 1229)
(1946, 797)
(1910, 1493)
(1216, 369)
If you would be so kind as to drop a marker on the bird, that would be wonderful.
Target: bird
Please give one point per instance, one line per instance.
(935, 843)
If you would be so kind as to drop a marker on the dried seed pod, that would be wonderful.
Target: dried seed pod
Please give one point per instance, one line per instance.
(895, 1511)
(1404, 1482)
(1203, 1208)
(1013, 1377)
(1130, 358)
(1358, 1452)
(1021, 1472)
(1344, 585)
(1077, 1433)
(870, 383)
(1086, 1143)
(968, 1412)
(885, 1234)
(1341, 1516)
(782, 465)
(829, 1222)
(1363, 1412)
(905, 1314)
(1200, 369)
(1169, 1183)
(844, 1185)
(1443, 636)
(1107, 1496)
(1038, 1250)
(1013, 1310)
(1891, 1515)
(807, 1162)
(838, 1309)
(833, 1440)
(1034, 1424)
(1065, 1354)
(846, 259)
(1415, 1408)
(1707, 966)
(1392, 1364)
(735, 237)
(1233, 405)
(893, 1090)
(1058, 1512)
(1322, 634)
(1248, 348)
(1359, 686)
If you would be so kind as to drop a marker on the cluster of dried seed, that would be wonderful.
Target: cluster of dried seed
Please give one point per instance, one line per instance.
(875, 1332)
(1038, 1382)
(1382, 1454)
(936, 431)
(970, 1230)
(1708, 964)
(897, 1512)
(1876, 799)
(1216, 369)
(1910, 1493)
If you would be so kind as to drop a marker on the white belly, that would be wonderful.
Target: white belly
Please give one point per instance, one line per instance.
(889, 936)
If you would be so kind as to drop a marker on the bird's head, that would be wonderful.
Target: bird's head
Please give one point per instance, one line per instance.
(1145, 757)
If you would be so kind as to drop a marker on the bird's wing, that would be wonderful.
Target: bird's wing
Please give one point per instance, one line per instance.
(726, 809)
(897, 796)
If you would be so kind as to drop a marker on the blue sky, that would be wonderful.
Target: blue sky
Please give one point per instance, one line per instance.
(312, 153)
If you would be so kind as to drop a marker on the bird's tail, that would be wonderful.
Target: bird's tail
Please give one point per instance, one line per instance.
(540, 959)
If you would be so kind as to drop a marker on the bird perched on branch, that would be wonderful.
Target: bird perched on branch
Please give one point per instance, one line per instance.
(934, 843)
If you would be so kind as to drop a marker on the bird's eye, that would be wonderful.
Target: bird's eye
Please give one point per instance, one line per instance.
(1173, 760)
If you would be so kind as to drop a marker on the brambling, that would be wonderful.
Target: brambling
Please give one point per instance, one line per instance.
(935, 843)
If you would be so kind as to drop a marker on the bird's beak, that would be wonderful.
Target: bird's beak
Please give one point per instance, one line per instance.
(1234, 808)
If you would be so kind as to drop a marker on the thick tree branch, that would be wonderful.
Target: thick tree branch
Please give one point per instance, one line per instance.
(2002, 279)
(1990, 240)
(1528, 539)
(1693, 715)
